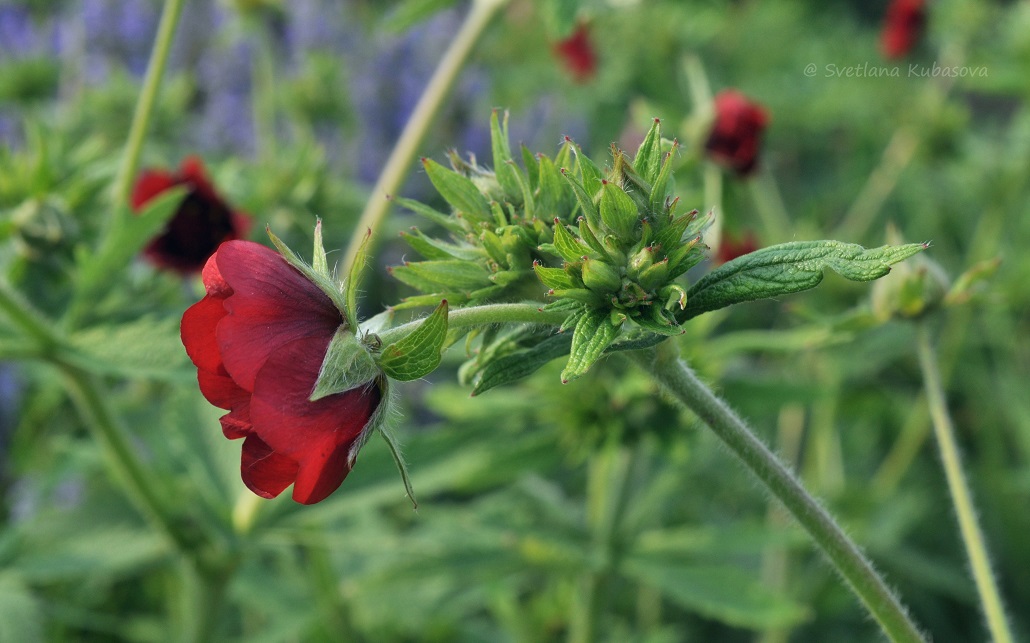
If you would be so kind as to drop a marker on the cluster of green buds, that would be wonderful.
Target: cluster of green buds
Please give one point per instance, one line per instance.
(607, 244)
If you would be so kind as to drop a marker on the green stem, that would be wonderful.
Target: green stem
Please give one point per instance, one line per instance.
(145, 105)
(463, 318)
(679, 380)
(263, 98)
(972, 537)
(399, 163)
(138, 481)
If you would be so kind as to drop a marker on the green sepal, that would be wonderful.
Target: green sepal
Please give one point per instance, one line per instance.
(594, 332)
(552, 192)
(562, 305)
(347, 365)
(579, 294)
(590, 174)
(528, 202)
(567, 246)
(402, 466)
(600, 276)
(432, 214)
(674, 295)
(318, 260)
(521, 363)
(655, 275)
(505, 170)
(591, 240)
(554, 278)
(671, 236)
(532, 165)
(459, 191)
(432, 299)
(350, 287)
(586, 202)
(618, 212)
(656, 320)
(324, 284)
(648, 160)
(448, 274)
(434, 249)
(661, 185)
(417, 354)
(788, 268)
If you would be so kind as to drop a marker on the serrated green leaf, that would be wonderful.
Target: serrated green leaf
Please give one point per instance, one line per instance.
(145, 348)
(593, 334)
(459, 191)
(418, 354)
(429, 276)
(347, 364)
(721, 592)
(130, 232)
(660, 187)
(433, 249)
(520, 364)
(789, 268)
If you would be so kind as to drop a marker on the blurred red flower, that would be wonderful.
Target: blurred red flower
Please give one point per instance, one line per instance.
(258, 339)
(736, 135)
(902, 27)
(578, 54)
(202, 221)
(732, 247)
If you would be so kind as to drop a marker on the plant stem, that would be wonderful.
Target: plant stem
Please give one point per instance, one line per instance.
(961, 497)
(679, 380)
(462, 318)
(145, 104)
(138, 481)
(398, 164)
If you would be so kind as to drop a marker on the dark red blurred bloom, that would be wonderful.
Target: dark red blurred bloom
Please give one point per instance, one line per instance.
(202, 221)
(578, 54)
(732, 247)
(258, 339)
(902, 27)
(736, 135)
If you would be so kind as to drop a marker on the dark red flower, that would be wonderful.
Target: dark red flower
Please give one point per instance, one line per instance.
(578, 54)
(736, 135)
(258, 339)
(902, 27)
(732, 247)
(202, 221)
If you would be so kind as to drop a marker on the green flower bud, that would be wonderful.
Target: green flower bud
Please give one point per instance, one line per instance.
(600, 276)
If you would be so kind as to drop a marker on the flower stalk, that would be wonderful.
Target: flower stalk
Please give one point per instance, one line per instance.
(961, 498)
(404, 151)
(148, 95)
(682, 383)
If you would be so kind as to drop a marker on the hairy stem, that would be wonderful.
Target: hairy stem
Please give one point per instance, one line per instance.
(682, 383)
(464, 318)
(145, 104)
(399, 163)
(961, 497)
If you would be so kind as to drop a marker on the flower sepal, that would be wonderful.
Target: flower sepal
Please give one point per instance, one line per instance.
(418, 353)
(348, 364)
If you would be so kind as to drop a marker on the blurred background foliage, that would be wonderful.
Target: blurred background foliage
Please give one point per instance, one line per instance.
(596, 509)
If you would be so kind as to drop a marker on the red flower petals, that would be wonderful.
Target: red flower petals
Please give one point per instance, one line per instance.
(202, 221)
(578, 54)
(902, 27)
(736, 134)
(258, 339)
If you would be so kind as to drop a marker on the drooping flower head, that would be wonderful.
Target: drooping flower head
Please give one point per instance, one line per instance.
(577, 53)
(902, 27)
(202, 222)
(736, 135)
(259, 338)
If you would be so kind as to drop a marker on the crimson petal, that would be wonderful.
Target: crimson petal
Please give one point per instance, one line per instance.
(264, 471)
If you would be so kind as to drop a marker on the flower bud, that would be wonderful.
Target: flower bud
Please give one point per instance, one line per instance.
(600, 276)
